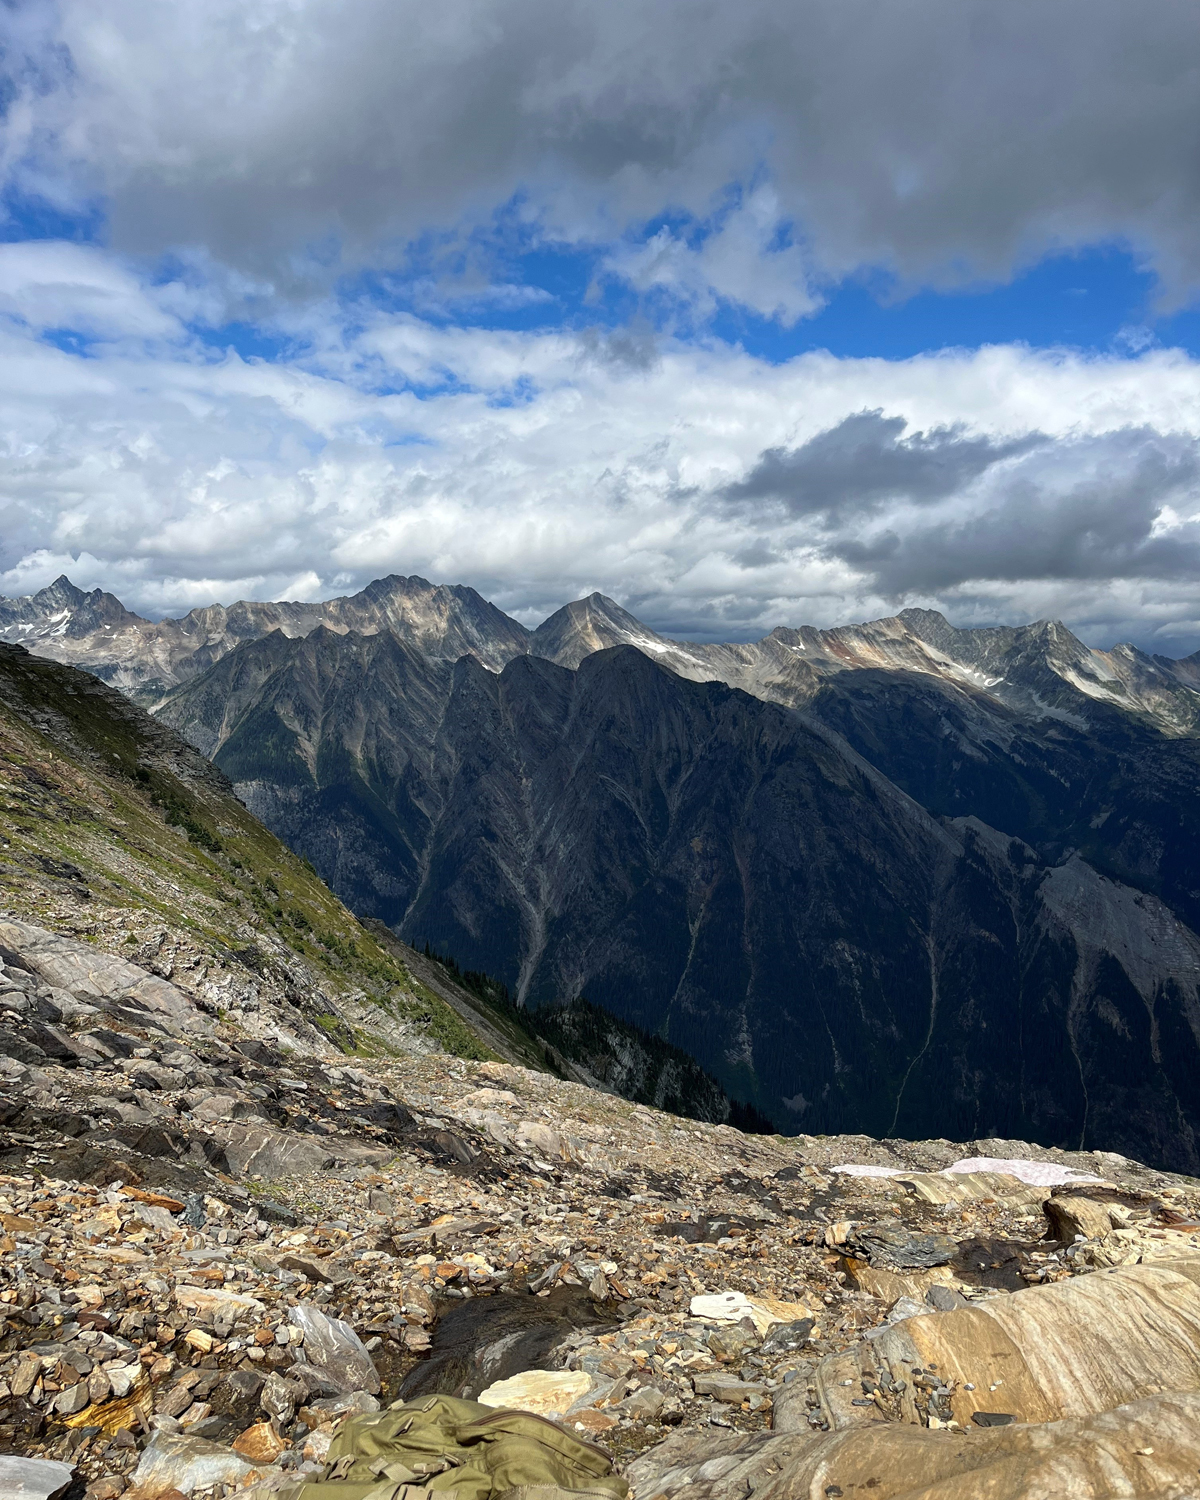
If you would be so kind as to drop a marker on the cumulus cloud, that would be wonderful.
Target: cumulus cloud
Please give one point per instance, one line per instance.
(946, 139)
(711, 492)
(252, 152)
(52, 285)
(741, 259)
(921, 513)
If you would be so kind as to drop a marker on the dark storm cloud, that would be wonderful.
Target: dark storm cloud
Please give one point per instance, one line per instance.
(866, 461)
(1085, 510)
(943, 138)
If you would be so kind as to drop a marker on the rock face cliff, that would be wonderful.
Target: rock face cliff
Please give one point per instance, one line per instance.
(894, 877)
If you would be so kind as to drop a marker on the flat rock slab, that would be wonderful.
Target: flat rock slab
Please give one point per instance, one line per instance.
(80, 968)
(939, 1188)
(728, 1388)
(315, 1269)
(732, 1307)
(32, 1478)
(1144, 1451)
(272, 1153)
(207, 1302)
(1070, 1349)
(264, 1152)
(901, 1249)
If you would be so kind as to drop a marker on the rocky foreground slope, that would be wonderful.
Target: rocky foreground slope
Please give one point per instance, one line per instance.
(216, 1253)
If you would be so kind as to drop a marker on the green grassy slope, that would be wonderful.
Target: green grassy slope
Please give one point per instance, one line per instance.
(114, 829)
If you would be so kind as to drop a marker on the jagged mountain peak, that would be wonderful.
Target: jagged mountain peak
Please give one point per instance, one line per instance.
(596, 623)
(61, 611)
(1039, 670)
(147, 659)
(581, 627)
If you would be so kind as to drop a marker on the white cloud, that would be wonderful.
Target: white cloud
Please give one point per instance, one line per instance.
(540, 466)
(746, 259)
(53, 285)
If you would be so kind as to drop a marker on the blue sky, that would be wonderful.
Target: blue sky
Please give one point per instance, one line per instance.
(1102, 299)
(1099, 299)
(525, 296)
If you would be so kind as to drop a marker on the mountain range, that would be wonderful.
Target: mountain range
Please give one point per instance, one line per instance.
(895, 877)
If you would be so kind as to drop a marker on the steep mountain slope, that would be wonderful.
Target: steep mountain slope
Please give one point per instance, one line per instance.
(145, 658)
(114, 829)
(332, 741)
(728, 873)
(1095, 780)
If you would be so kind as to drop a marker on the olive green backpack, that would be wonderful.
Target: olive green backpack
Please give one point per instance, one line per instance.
(440, 1448)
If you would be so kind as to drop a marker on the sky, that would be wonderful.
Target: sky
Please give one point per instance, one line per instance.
(745, 314)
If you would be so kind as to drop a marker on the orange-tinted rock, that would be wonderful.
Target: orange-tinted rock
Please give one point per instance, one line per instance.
(261, 1443)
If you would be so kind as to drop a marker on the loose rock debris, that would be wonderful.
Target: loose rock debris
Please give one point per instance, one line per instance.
(214, 1253)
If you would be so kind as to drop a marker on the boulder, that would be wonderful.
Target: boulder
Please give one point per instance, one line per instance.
(316, 1269)
(18, 1046)
(259, 1051)
(1144, 1451)
(279, 1397)
(786, 1338)
(889, 1286)
(255, 1149)
(209, 1302)
(944, 1298)
(261, 1443)
(32, 1478)
(241, 1386)
(731, 1307)
(176, 1462)
(898, 1249)
(335, 1350)
(1072, 1215)
(645, 1404)
(214, 1107)
(550, 1143)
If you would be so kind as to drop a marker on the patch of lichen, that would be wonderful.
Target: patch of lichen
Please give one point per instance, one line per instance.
(100, 804)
